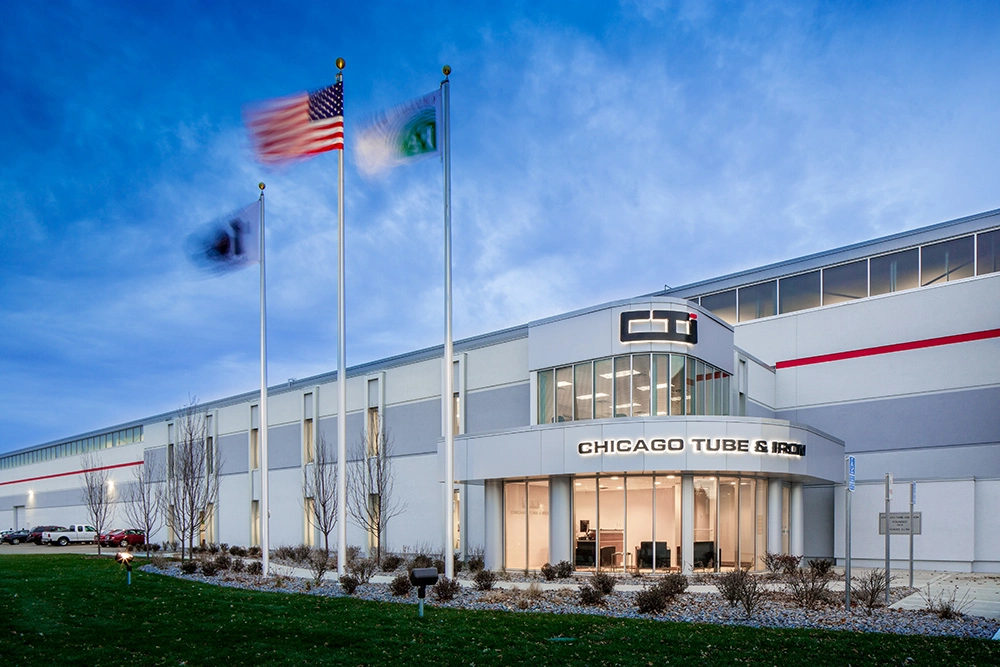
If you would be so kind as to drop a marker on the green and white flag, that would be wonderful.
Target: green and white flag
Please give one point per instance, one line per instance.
(401, 134)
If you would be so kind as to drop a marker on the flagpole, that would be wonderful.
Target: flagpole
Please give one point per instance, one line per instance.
(341, 365)
(262, 425)
(448, 392)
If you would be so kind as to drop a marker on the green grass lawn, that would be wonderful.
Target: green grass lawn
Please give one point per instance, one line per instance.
(66, 609)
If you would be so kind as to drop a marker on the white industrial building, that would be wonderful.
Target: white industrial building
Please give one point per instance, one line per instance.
(692, 428)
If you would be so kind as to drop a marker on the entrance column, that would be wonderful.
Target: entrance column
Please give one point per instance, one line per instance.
(774, 514)
(560, 519)
(687, 524)
(795, 516)
(493, 497)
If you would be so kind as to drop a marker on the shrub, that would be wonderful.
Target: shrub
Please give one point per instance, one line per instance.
(590, 595)
(603, 582)
(349, 583)
(548, 572)
(674, 584)
(362, 568)
(870, 590)
(222, 561)
(353, 553)
(730, 585)
(652, 600)
(189, 567)
(445, 589)
(239, 565)
(420, 560)
(236, 550)
(208, 568)
(154, 547)
(821, 566)
(946, 607)
(212, 548)
(564, 569)
(485, 579)
(457, 563)
(808, 587)
(438, 565)
(781, 563)
(254, 552)
(400, 585)
(319, 564)
(656, 598)
(477, 559)
(255, 568)
(391, 563)
(224, 547)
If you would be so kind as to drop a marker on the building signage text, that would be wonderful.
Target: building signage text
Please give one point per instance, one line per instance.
(710, 445)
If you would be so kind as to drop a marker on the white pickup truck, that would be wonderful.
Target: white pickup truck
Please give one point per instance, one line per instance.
(78, 533)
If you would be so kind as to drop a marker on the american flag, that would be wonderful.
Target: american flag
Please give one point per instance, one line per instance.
(298, 126)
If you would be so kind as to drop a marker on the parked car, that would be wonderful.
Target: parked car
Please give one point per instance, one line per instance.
(105, 537)
(16, 536)
(36, 532)
(125, 538)
(75, 533)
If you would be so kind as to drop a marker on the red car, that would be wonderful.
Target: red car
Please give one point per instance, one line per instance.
(36, 533)
(124, 538)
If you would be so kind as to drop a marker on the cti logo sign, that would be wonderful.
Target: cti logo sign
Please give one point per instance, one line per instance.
(666, 326)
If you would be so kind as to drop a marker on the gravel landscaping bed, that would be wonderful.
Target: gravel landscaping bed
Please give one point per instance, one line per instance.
(778, 610)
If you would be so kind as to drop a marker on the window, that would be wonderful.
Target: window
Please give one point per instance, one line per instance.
(623, 387)
(373, 432)
(564, 394)
(642, 389)
(254, 450)
(799, 292)
(895, 272)
(661, 385)
(583, 382)
(603, 388)
(845, 282)
(308, 441)
(948, 260)
(546, 397)
(722, 305)
(758, 301)
(309, 531)
(988, 252)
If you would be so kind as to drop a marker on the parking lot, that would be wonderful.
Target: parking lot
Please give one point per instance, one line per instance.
(8, 549)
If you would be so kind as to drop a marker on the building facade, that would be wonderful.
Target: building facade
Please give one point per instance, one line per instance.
(694, 428)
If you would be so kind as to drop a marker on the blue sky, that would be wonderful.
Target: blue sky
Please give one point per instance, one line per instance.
(600, 151)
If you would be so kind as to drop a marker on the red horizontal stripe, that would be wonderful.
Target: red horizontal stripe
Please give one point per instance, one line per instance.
(886, 349)
(74, 472)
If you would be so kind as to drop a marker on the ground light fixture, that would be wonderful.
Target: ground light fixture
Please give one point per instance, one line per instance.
(422, 577)
(125, 558)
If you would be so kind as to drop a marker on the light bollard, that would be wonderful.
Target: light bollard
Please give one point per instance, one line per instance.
(422, 577)
(125, 559)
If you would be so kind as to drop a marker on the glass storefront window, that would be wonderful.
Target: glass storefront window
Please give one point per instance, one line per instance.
(799, 292)
(895, 272)
(705, 494)
(611, 522)
(988, 252)
(538, 524)
(546, 397)
(667, 523)
(585, 522)
(639, 521)
(564, 394)
(642, 389)
(845, 282)
(748, 511)
(515, 525)
(603, 388)
(583, 391)
(948, 260)
(729, 526)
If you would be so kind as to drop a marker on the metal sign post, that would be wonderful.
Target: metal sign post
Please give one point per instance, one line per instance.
(888, 497)
(847, 536)
(913, 500)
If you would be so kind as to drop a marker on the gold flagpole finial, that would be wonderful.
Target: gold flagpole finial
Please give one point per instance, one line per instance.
(261, 186)
(446, 70)
(340, 63)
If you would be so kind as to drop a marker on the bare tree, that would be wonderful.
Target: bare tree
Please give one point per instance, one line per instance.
(192, 478)
(319, 484)
(371, 481)
(97, 495)
(143, 499)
